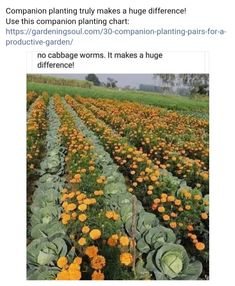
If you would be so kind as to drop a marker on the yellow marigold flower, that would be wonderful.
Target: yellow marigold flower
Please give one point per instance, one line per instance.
(82, 217)
(187, 207)
(98, 262)
(99, 181)
(71, 207)
(197, 197)
(187, 195)
(112, 241)
(71, 195)
(150, 187)
(114, 236)
(74, 215)
(153, 178)
(200, 246)
(204, 215)
(98, 193)
(139, 180)
(82, 241)
(164, 195)
(156, 201)
(81, 197)
(161, 209)
(77, 260)
(170, 198)
(62, 261)
(95, 234)
(82, 207)
(97, 275)
(92, 201)
(91, 251)
(91, 168)
(85, 229)
(65, 204)
(87, 201)
(124, 241)
(126, 258)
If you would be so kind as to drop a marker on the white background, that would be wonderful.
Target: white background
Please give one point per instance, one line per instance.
(221, 67)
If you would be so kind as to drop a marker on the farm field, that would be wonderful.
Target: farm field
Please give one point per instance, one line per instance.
(117, 185)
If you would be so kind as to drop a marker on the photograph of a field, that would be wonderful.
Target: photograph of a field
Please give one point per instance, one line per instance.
(118, 177)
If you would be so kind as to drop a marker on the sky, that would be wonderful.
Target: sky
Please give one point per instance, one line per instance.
(133, 80)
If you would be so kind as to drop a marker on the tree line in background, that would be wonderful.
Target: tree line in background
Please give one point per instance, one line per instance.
(183, 84)
(192, 83)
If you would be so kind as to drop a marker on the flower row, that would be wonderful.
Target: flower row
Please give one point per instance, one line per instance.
(157, 134)
(149, 182)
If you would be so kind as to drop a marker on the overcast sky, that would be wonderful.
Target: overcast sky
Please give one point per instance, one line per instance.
(134, 80)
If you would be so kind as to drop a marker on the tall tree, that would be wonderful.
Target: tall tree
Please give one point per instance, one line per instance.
(93, 78)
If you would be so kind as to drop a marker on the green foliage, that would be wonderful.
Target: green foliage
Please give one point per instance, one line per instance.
(167, 101)
(171, 262)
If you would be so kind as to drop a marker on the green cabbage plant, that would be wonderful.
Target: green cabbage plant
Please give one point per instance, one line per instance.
(171, 262)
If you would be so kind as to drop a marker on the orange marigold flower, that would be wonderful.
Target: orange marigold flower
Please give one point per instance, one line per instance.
(97, 275)
(82, 241)
(75, 275)
(197, 197)
(112, 241)
(193, 236)
(153, 178)
(166, 217)
(109, 214)
(62, 261)
(200, 246)
(85, 229)
(173, 214)
(177, 202)
(204, 215)
(126, 258)
(98, 262)
(173, 224)
(82, 207)
(82, 217)
(77, 260)
(63, 275)
(95, 234)
(91, 251)
(190, 227)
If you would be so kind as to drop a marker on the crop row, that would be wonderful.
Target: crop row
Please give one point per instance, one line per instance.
(155, 132)
(178, 206)
(36, 130)
(106, 213)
